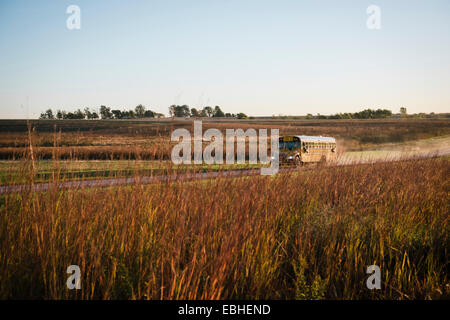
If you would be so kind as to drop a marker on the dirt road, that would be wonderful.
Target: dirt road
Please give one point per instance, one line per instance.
(344, 160)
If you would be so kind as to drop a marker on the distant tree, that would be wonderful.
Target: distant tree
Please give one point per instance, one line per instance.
(382, 113)
(105, 112)
(309, 116)
(184, 111)
(372, 114)
(195, 112)
(179, 111)
(87, 112)
(335, 116)
(48, 114)
(59, 114)
(242, 116)
(117, 114)
(209, 111)
(218, 113)
(140, 111)
(90, 114)
(125, 114)
(130, 114)
(149, 114)
(346, 115)
(79, 114)
(228, 115)
(69, 115)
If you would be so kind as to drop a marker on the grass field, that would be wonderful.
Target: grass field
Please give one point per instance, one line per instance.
(150, 140)
(14, 172)
(307, 235)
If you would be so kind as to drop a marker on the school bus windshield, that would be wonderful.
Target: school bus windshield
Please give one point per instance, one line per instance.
(289, 143)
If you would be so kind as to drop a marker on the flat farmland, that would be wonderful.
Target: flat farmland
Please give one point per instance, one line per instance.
(294, 235)
(150, 139)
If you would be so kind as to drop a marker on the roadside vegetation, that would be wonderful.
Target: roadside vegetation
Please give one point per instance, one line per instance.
(13, 172)
(310, 235)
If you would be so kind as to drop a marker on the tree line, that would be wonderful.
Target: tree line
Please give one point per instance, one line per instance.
(216, 112)
(365, 114)
(184, 111)
(104, 113)
(139, 111)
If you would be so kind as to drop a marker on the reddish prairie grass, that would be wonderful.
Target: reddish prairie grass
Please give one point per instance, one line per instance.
(307, 235)
(150, 140)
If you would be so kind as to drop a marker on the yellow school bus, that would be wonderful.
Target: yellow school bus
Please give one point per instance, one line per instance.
(298, 150)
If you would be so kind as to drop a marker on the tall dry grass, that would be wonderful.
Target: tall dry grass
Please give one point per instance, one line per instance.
(308, 235)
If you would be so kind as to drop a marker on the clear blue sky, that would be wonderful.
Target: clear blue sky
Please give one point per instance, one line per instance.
(258, 57)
